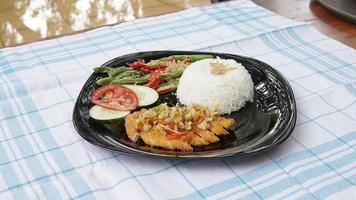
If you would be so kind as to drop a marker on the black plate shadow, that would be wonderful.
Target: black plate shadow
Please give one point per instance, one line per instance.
(262, 124)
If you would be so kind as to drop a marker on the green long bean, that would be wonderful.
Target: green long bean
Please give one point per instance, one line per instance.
(135, 81)
(116, 71)
(125, 75)
(110, 71)
(105, 80)
(102, 69)
(172, 75)
(129, 73)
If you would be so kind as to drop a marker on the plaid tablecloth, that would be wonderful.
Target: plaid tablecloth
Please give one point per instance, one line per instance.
(42, 156)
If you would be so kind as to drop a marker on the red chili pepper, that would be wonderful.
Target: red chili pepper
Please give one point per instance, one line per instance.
(154, 80)
(141, 65)
(138, 64)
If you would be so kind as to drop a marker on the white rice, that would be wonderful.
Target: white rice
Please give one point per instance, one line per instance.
(228, 92)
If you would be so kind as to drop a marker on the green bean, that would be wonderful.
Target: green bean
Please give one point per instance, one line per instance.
(173, 83)
(102, 69)
(192, 58)
(135, 81)
(171, 75)
(104, 81)
(174, 86)
(157, 62)
(116, 71)
(110, 71)
(129, 73)
(169, 86)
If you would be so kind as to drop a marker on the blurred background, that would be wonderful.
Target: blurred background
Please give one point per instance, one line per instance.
(29, 20)
(23, 21)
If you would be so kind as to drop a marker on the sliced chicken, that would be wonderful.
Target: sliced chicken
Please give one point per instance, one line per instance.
(207, 136)
(197, 140)
(130, 125)
(155, 138)
(165, 132)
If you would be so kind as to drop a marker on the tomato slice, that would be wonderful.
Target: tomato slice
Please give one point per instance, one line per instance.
(114, 96)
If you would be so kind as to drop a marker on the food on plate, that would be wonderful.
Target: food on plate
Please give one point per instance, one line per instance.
(205, 86)
(114, 102)
(223, 83)
(161, 74)
(177, 128)
(146, 96)
(116, 97)
(107, 116)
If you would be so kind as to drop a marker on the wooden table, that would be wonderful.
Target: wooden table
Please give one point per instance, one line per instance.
(312, 11)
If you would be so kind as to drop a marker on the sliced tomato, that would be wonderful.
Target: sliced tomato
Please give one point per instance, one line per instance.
(114, 96)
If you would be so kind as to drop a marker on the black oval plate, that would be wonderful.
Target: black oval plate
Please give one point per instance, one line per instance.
(261, 125)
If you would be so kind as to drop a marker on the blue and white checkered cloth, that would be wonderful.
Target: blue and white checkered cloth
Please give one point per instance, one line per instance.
(42, 156)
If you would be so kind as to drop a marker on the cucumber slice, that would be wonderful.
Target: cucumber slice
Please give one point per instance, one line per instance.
(107, 116)
(146, 96)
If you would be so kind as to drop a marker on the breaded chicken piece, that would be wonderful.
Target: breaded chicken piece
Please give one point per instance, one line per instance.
(217, 129)
(197, 140)
(225, 122)
(131, 130)
(160, 133)
(219, 124)
(207, 136)
(155, 138)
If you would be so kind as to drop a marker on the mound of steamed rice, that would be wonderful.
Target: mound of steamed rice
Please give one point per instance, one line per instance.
(227, 91)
